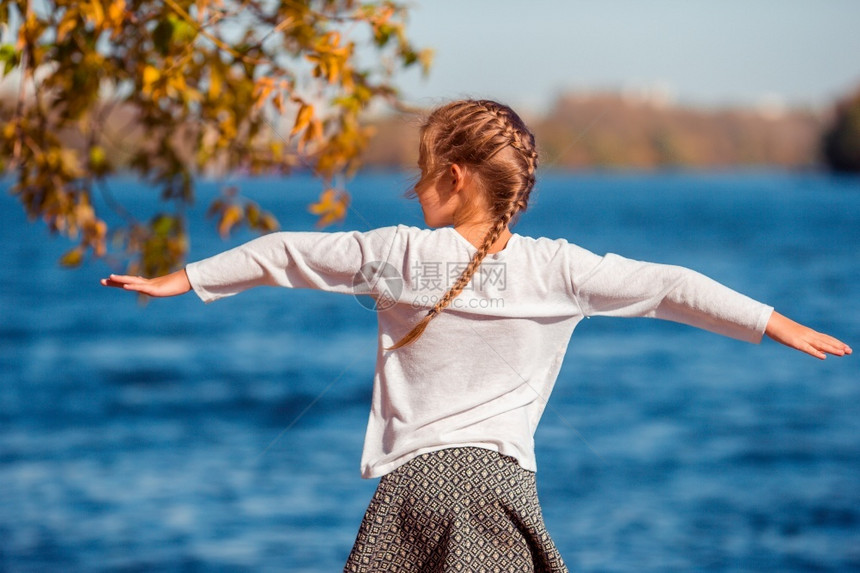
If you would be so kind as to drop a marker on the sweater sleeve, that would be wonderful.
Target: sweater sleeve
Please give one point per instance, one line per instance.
(616, 286)
(332, 262)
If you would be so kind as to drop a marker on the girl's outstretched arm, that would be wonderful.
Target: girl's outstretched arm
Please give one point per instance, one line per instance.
(795, 335)
(175, 283)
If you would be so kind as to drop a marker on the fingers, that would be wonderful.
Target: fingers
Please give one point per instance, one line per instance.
(820, 345)
(126, 282)
(118, 281)
(813, 351)
(829, 345)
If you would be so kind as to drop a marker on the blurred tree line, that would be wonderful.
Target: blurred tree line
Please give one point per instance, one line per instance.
(841, 141)
(617, 131)
(167, 90)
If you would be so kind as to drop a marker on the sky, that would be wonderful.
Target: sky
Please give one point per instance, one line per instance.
(697, 52)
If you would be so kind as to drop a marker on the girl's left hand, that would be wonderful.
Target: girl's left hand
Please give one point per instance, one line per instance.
(168, 285)
(795, 335)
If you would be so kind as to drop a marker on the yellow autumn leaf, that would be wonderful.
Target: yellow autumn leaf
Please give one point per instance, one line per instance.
(262, 89)
(332, 68)
(177, 82)
(84, 214)
(303, 118)
(268, 223)
(116, 12)
(98, 158)
(229, 218)
(97, 238)
(94, 12)
(228, 128)
(150, 76)
(278, 102)
(425, 58)
(215, 83)
(252, 214)
(331, 207)
(9, 129)
(69, 163)
(73, 258)
(215, 207)
(314, 133)
(67, 24)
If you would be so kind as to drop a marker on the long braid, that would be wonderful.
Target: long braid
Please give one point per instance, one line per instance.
(478, 131)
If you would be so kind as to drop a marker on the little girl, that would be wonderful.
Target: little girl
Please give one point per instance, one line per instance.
(473, 324)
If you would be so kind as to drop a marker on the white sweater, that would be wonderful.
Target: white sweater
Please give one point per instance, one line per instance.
(481, 373)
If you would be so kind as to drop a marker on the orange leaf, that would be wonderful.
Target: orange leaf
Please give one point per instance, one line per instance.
(73, 258)
(231, 216)
(331, 207)
(303, 118)
(314, 133)
(116, 12)
(268, 223)
(67, 24)
(262, 90)
(278, 101)
(150, 76)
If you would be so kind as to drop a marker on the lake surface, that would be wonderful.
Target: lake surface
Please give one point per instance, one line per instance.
(178, 436)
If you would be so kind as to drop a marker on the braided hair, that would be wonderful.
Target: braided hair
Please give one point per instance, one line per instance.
(490, 140)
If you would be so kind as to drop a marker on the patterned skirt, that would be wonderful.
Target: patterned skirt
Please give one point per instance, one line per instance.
(457, 509)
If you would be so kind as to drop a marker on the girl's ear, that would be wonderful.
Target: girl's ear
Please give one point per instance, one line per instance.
(457, 177)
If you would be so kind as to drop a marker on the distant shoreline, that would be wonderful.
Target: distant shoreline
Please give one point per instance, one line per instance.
(595, 130)
(608, 130)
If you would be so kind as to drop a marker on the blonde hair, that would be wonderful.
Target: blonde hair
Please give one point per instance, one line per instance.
(491, 141)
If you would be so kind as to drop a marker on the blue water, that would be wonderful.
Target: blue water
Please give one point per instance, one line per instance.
(177, 436)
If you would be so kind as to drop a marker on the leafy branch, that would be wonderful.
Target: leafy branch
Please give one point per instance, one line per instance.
(197, 87)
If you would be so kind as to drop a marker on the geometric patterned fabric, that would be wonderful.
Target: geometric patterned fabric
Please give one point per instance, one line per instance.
(457, 509)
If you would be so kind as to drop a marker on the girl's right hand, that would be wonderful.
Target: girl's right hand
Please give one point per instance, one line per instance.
(175, 283)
